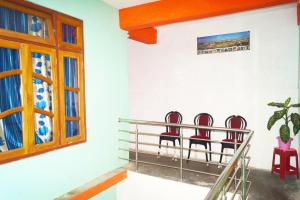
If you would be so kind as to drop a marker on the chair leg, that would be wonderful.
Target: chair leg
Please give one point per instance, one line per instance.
(205, 145)
(221, 154)
(174, 142)
(190, 145)
(209, 144)
(159, 146)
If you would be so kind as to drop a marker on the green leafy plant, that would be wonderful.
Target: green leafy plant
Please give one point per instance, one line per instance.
(283, 113)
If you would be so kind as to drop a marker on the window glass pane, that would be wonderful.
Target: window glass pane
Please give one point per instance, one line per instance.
(11, 132)
(42, 95)
(43, 129)
(72, 128)
(17, 21)
(10, 95)
(71, 104)
(9, 59)
(69, 33)
(70, 72)
(37, 26)
(41, 64)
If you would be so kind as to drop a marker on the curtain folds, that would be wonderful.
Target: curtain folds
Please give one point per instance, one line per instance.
(70, 72)
(10, 97)
(69, 33)
(71, 98)
(72, 128)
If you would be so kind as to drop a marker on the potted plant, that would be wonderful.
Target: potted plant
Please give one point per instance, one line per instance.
(284, 139)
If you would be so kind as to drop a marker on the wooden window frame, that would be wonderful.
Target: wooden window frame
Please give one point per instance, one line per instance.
(26, 44)
(12, 34)
(79, 33)
(24, 98)
(81, 99)
(54, 82)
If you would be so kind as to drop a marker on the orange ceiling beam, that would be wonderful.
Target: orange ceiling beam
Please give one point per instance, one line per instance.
(171, 11)
(145, 35)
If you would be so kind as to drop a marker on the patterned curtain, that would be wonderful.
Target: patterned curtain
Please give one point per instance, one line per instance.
(37, 26)
(42, 98)
(14, 20)
(10, 97)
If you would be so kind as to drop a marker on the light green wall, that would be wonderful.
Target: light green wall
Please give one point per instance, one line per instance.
(49, 175)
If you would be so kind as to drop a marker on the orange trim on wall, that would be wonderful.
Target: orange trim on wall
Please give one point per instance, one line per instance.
(146, 35)
(298, 13)
(171, 11)
(93, 191)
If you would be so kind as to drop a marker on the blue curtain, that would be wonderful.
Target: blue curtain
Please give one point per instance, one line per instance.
(70, 72)
(72, 128)
(10, 97)
(69, 33)
(13, 20)
(71, 98)
(71, 104)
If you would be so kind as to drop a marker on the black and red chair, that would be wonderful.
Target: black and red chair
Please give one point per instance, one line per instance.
(172, 132)
(202, 136)
(235, 122)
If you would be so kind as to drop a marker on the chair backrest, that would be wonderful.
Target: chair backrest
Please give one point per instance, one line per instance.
(173, 117)
(236, 122)
(203, 119)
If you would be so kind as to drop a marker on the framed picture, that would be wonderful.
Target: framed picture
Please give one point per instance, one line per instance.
(223, 43)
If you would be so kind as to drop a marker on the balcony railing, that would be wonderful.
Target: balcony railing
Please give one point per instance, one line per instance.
(234, 177)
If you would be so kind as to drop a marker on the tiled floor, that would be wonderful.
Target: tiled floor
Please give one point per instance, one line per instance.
(265, 186)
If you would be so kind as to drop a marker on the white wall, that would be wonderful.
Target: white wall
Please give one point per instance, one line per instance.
(171, 76)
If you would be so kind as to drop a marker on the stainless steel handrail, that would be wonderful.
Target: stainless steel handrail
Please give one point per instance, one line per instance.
(221, 186)
(155, 123)
(217, 188)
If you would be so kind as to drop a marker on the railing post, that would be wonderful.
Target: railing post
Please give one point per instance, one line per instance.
(136, 146)
(244, 181)
(236, 167)
(224, 197)
(181, 154)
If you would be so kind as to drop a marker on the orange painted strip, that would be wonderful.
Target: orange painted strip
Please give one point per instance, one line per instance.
(171, 11)
(146, 35)
(298, 13)
(89, 193)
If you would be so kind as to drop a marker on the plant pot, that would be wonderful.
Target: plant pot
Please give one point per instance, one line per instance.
(284, 146)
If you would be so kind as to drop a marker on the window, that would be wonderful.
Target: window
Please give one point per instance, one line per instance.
(25, 23)
(42, 102)
(71, 32)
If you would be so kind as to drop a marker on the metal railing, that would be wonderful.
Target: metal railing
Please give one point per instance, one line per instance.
(236, 171)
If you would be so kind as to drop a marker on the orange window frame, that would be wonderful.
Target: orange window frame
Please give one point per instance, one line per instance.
(81, 98)
(8, 155)
(55, 99)
(79, 33)
(12, 34)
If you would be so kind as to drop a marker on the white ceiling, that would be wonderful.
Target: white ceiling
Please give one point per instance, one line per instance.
(126, 3)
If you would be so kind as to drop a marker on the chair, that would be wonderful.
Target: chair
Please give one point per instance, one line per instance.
(235, 122)
(202, 119)
(172, 133)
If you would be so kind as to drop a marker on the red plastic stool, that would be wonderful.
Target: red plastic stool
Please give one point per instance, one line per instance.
(284, 167)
